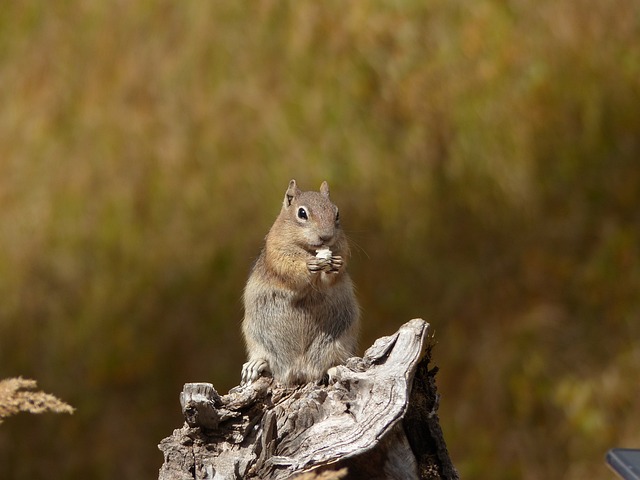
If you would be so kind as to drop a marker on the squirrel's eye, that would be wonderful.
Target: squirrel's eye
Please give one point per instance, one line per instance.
(302, 213)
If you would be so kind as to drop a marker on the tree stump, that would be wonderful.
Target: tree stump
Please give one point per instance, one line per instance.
(377, 419)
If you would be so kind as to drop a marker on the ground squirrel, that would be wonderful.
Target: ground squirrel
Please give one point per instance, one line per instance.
(301, 315)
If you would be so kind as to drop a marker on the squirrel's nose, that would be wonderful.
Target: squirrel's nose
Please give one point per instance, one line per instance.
(325, 237)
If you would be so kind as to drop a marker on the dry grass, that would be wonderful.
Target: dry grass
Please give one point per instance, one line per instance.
(17, 395)
(327, 475)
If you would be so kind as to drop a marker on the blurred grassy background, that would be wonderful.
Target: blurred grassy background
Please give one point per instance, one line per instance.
(485, 156)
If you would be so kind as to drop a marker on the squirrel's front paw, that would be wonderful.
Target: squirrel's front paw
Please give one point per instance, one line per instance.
(252, 370)
(325, 261)
(316, 264)
(336, 264)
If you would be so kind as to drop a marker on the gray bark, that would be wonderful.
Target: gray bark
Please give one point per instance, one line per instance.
(376, 418)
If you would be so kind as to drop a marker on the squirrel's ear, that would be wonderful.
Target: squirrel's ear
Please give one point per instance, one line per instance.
(324, 189)
(292, 192)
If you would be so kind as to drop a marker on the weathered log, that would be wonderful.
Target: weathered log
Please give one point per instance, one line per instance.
(377, 418)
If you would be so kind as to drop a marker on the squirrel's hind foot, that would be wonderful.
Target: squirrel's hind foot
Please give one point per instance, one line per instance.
(253, 369)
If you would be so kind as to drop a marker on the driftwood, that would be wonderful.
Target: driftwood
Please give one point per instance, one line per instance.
(376, 419)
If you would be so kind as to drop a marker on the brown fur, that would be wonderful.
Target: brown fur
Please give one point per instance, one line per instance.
(301, 314)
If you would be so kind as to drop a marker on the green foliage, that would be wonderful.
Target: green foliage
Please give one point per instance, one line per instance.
(484, 155)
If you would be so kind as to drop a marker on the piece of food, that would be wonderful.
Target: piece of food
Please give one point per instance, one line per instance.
(324, 253)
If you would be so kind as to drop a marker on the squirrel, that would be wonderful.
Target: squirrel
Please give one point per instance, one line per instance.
(301, 314)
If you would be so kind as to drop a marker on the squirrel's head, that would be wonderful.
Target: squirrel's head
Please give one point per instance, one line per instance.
(313, 214)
